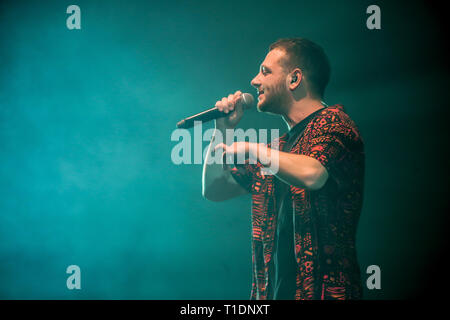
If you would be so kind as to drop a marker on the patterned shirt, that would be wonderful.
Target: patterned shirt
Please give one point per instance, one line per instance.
(325, 220)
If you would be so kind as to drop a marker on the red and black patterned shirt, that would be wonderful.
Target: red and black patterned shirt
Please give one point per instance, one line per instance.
(325, 220)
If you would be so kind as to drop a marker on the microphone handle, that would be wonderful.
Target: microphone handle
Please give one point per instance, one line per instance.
(203, 116)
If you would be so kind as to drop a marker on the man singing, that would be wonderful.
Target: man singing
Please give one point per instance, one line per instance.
(304, 218)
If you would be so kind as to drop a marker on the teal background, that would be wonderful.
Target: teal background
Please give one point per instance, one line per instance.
(86, 116)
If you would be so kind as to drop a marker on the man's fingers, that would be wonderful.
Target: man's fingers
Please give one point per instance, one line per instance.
(228, 104)
(237, 97)
(218, 146)
(218, 105)
(221, 146)
(224, 105)
(226, 149)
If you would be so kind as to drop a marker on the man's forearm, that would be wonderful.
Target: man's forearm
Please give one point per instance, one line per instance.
(294, 169)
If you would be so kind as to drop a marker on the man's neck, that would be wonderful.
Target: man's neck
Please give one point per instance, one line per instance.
(300, 110)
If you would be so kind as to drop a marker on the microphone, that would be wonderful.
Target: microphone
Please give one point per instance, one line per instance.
(213, 113)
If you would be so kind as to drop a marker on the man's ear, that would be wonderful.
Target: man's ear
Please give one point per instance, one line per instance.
(296, 78)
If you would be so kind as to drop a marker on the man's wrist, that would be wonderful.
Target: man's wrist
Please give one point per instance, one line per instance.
(262, 153)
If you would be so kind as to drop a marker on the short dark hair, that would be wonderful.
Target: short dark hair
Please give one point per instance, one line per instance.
(310, 58)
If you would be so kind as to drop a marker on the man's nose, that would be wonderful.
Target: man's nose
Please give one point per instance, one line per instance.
(255, 82)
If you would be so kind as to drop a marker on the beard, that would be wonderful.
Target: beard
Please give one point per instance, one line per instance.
(274, 100)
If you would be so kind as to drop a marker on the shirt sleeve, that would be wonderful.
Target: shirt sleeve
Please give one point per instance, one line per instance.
(333, 144)
(244, 175)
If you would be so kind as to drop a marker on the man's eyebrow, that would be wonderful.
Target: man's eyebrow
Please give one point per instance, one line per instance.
(264, 67)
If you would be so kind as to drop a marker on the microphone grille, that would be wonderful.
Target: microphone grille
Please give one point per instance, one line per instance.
(247, 100)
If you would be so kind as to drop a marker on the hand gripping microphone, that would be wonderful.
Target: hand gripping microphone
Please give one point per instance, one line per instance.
(214, 113)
